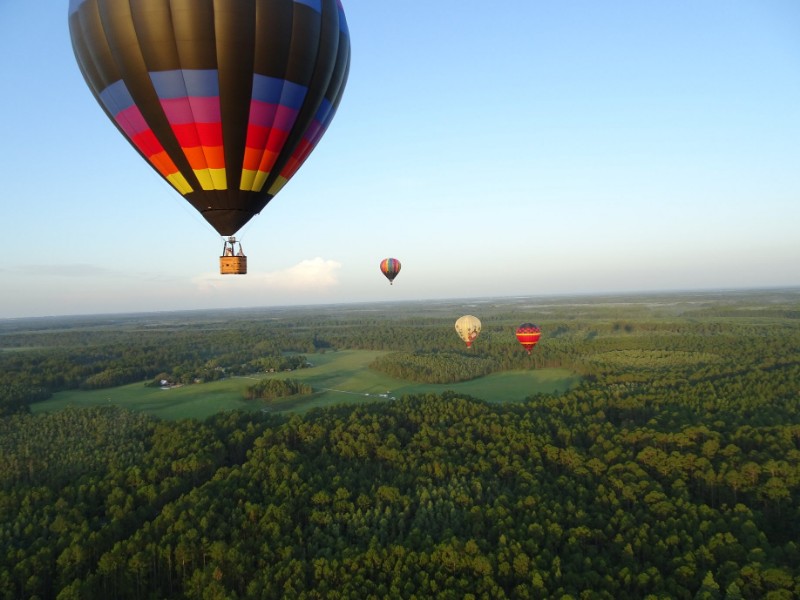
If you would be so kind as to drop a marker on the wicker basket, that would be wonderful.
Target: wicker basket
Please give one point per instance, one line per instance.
(233, 265)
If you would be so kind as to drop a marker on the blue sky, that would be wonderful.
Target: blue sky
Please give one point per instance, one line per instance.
(496, 149)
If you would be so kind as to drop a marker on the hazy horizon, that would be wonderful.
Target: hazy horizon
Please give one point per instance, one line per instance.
(539, 299)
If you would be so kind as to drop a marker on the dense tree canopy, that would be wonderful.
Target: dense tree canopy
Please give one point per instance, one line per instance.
(671, 471)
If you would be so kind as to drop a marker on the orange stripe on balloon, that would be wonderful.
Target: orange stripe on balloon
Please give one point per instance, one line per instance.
(252, 158)
(268, 161)
(163, 164)
(215, 156)
(203, 157)
(196, 157)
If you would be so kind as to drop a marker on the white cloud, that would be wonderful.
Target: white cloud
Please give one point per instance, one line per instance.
(314, 274)
(309, 274)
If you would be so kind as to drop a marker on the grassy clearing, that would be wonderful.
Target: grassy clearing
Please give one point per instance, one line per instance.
(337, 378)
(191, 401)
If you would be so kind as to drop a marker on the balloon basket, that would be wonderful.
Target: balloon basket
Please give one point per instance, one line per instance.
(232, 262)
(233, 265)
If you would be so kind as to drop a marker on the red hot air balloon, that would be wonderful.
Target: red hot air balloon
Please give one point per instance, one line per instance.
(528, 335)
(390, 267)
(225, 99)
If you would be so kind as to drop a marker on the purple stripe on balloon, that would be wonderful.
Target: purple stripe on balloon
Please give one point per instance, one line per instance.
(322, 119)
(181, 111)
(262, 114)
(284, 118)
(313, 131)
(206, 110)
(131, 121)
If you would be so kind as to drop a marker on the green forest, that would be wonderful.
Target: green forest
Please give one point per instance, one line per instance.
(670, 470)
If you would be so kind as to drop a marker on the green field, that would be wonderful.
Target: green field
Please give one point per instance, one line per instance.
(340, 377)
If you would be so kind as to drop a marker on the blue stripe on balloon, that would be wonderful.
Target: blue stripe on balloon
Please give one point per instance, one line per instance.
(314, 4)
(267, 89)
(74, 5)
(278, 91)
(180, 83)
(324, 110)
(116, 97)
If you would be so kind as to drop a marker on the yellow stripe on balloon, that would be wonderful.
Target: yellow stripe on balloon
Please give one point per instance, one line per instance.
(204, 177)
(246, 183)
(219, 178)
(211, 179)
(261, 179)
(252, 181)
(278, 185)
(179, 182)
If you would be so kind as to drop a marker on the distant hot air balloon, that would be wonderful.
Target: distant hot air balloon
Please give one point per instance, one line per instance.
(468, 328)
(528, 335)
(390, 267)
(224, 98)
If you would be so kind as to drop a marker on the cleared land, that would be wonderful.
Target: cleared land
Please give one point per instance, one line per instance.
(342, 377)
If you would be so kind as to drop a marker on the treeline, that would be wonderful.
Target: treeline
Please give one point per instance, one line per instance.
(272, 389)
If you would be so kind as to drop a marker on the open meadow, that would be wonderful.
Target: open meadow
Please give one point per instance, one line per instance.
(341, 377)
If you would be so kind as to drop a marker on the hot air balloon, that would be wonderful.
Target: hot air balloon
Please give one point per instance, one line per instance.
(225, 99)
(390, 267)
(528, 334)
(468, 328)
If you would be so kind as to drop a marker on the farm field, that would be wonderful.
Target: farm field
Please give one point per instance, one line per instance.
(342, 377)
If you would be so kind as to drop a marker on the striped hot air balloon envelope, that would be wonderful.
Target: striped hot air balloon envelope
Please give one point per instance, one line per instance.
(225, 99)
(528, 335)
(390, 267)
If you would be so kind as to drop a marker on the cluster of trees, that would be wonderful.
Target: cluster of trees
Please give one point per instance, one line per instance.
(433, 367)
(277, 362)
(271, 389)
(17, 396)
